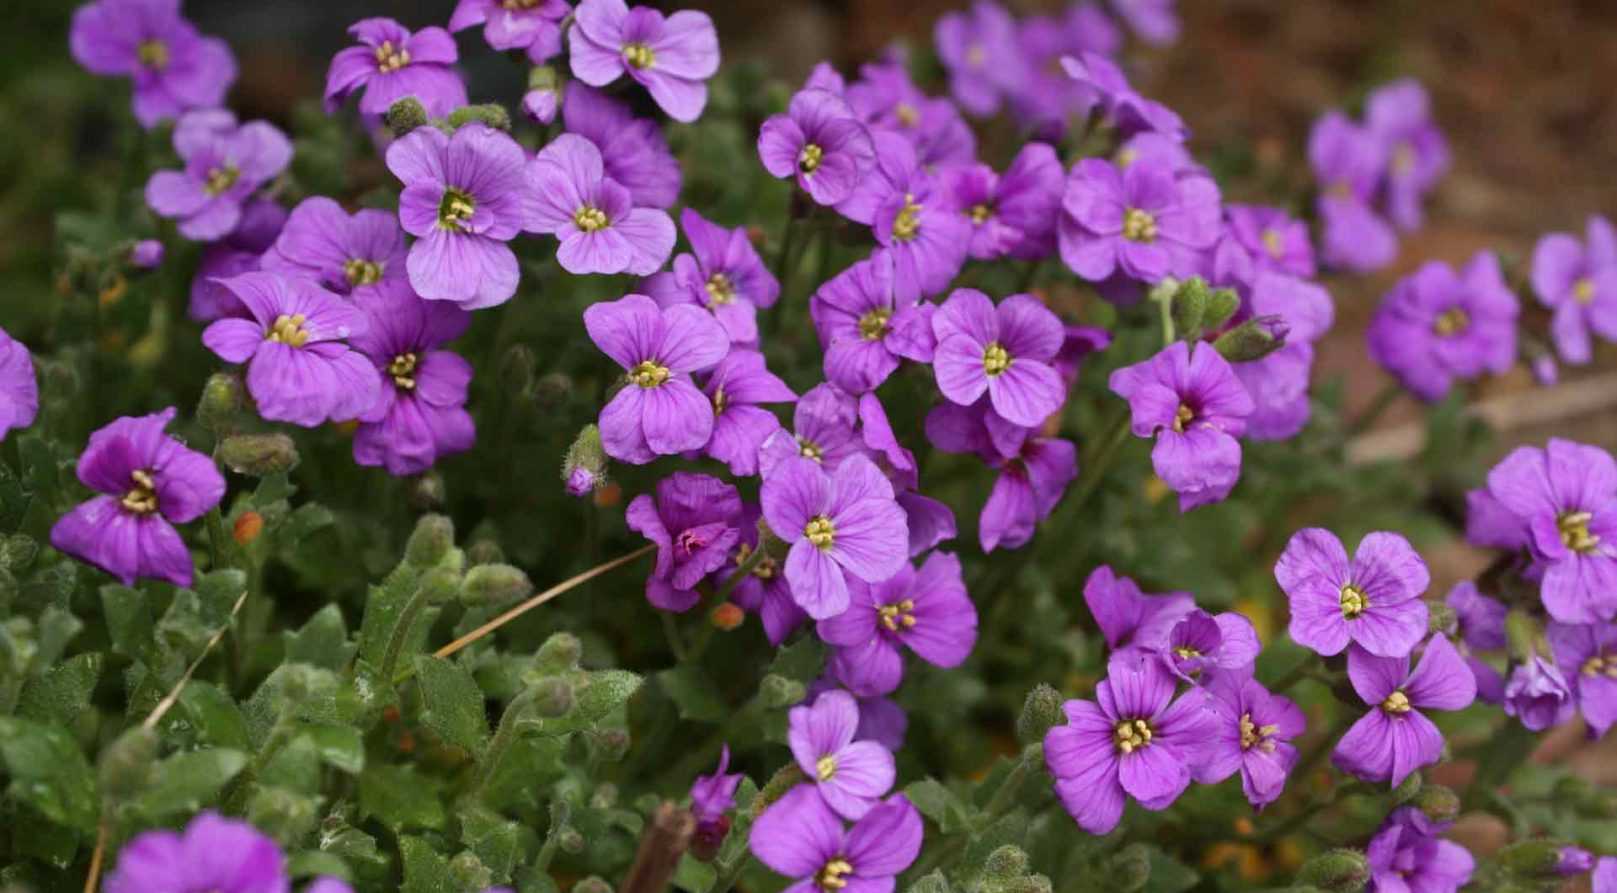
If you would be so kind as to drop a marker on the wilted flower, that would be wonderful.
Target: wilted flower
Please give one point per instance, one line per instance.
(711, 797)
(1537, 694)
(391, 63)
(925, 610)
(1579, 285)
(224, 164)
(851, 776)
(530, 25)
(600, 229)
(671, 56)
(1373, 600)
(723, 273)
(213, 854)
(1436, 326)
(800, 837)
(1394, 738)
(820, 142)
(341, 251)
(174, 68)
(19, 388)
(692, 519)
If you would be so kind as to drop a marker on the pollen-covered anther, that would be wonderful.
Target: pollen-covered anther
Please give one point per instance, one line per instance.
(1583, 291)
(897, 616)
(359, 271)
(996, 359)
(1353, 601)
(808, 449)
(1131, 735)
(833, 876)
(825, 768)
(1396, 703)
(873, 326)
(391, 58)
(455, 209)
(289, 330)
(153, 54)
(720, 290)
(1452, 321)
(220, 179)
(980, 214)
(402, 371)
(1139, 226)
(649, 373)
(907, 222)
(808, 160)
(142, 496)
(1575, 535)
(820, 531)
(639, 55)
(1183, 416)
(590, 219)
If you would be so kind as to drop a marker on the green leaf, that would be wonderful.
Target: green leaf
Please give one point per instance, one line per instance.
(694, 875)
(401, 799)
(340, 747)
(186, 782)
(15, 498)
(495, 841)
(358, 850)
(323, 641)
(425, 871)
(452, 703)
(129, 620)
(56, 628)
(939, 804)
(316, 863)
(801, 661)
(608, 690)
(62, 693)
(1169, 875)
(49, 773)
(212, 715)
(693, 693)
(383, 607)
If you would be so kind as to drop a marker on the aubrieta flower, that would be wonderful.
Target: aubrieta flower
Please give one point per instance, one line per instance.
(1564, 497)
(542, 104)
(1480, 623)
(692, 519)
(533, 26)
(462, 200)
(672, 56)
(147, 254)
(341, 251)
(1004, 351)
(978, 48)
(1251, 735)
(1373, 600)
(224, 164)
(1091, 30)
(1574, 861)
(299, 367)
(1260, 239)
(712, 796)
(1394, 738)
(240, 252)
(213, 855)
(1399, 115)
(19, 388)
(723, 273)
(764, 591)
(880, 720)
(1191, 402)
(737, 385)
(1587, 656)
(866, 332)
(1407, 856)
(851, 776)
(1348, 163)
(1034, 470)
(149, 482)
(658, 411)
(1579, 285)
(821, 143)
(1125, 108)
(840, 524)
(1013, 213)
(1144, 220)
(887, 99)
(601, 231)
(1153, 21)
(824, 424)
(800, 837)
(1537, 694)
(1437, 325)
(420, 411)
(925, 238)
(1203, 647)
(1278, 383)
(391, 63)
(634, 152)
(1133, 740)
(1046, 97)
(1604, 878)
(925, 610)
(174, 68)
(1128, 617)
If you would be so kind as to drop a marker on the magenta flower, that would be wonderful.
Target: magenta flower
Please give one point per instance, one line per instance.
(926, 240)
(1480, 626)
(633, 150)
(851, 776)
(1373, 600)
(299, 367)
(1259, 239)
(462, 200)
(801, 837)
(1133, 740)
(1125, 108)
(533, 26)
(420, 410)
(1202, 647)
(1034, 471)
(1142, 220)
(213, 854)
(978, 48)
(1251, 735)
(594, 216)
(1394, 738)
(391, 63)
(240, 252)
(19, 388)
(866, 332)
(672, 56)
(1195, 407)
(926, 611)
(723, 273)
(1565, 497)
(764, 591)
(1348, 162)
(147, 254)
(820, 142)
(839, 524)
(340, 251)
(692, 519)
(659, 412)
(823, 430)
(1003, 351)
(1128, 617)
(1436, 326)
(542, 105)
(174, 68)
(1579, 285)
(1046, 98)
(737, 387)
(224, 164)
(1011, 214)
(1537, 694)
(887, 100)
(1278, 383)
(1399, 115)
(1586, 654)
(1407, 855)
(149, 482)
(712, 796)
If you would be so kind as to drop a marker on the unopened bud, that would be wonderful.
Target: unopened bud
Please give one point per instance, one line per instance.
(469, 873)
(258, 454)
(247, 528)
(778, 692)
(932, 883)
(560, 653)
(570, 841)
(552, 389)
(1033, 883)
(1441, 619)
(125, 766)
(494, 584)
(440, 584)
(584, 469)
(1522, 634)
(516, 369)
(1007, 862)
(1336, 871)
(1040, 713)
(1190, 307)
(491, 114)
(541, 105)
(776, 787)
(1222, 303)
(1439, 804)
(592, 884)
(1130, 869)
(427, 492)
(220, 403)
(434, 536)
(405, 115)
(1252, 340)
(1574, 860)
(610, 745)
(484, 552)
(1408, 788)
(147, 254)
(1532, 859)
(17, 551)
(553, 697)
(605, 796)
(727, 617)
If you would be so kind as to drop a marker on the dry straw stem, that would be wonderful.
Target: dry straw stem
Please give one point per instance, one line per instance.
(662, 845)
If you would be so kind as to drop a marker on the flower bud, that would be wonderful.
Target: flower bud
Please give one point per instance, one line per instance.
(440, 584)
(610, 745)
(777, 692)
(490, 113)
(484, 552)
(932, 883)
(570, 841)
(1190, 307)
(1532, 859)
(516, 369)
(221, 401)
(1005, 863)
(468, 872)
(434, 536)
(405, 115)
(147, 254)
(258, 454)
(709, 838)
(727, 617)
(1442, 619)
(1407, 789)
(1040, 713)
(605, 796)
(1033, 883)
(560, 653)
(553, 697)
(1438, 803)
(247, 528)
(541, 105)
(493, 585)
(1222, 303)
(284, 814)
(784, 779)
(1336, 871)
(584, 469)
(552, 390)
(592, 884)
(1253, 340)
(1129, 870)
(1522, 634)
(125, 766)
(1574, 860)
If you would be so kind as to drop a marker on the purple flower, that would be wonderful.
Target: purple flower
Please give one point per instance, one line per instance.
(1142, 220)
(926, 239)
(1128, 617)
(1004, 351)
(19, 388)
(1399, 115)
(336, 885)
(582, 481)
(978, 48)
(149, 482)
(711, 797)
(1565, 496)
(340, 251)
(800, 837)
(1262, 239)
(1278, 383)
(239, 252)
(1373, 601)
(823, 423)
(692, 519)
(1394, 738)
(1203, 646)
(541, 105)
(866, 332)
(530, 25)
(1587, 655)
(1091, 30)
(572, 198)
(1078, 342)
(1406, 855)
(738, 384)
(1348, 162)
(820, 142)
(1538, 695)
(880, 720)
(764, 591)
(174, 68)
(1579, 285)
(213, 855)
(147, 254)
(1490, 524)
(887, 99)
(1436, 326)
(672, 57)
(462, 200)
(926, 611)
(839, 524)
(1014, 214)
(1574, 861)
(224, 164)
(1153, 21)
(658, 411)
(1134, 739)
(723, 273)
(391, 63)
(1252, 735)
(420, 409)
(633, 150)
(299, 368)
(1604, 877)
(1195, 407)
(1034, 470)
(1126, 109)
(1046, 97)
(851, 776)
(1481, 627)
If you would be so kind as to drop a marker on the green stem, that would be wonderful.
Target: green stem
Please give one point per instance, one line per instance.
(1165, 308)
(1005, 797)
(1095, 469)
(1296, 674)
(729, 873)
(1386, 397)
(401, 631)
(676, 643)
(504, 736)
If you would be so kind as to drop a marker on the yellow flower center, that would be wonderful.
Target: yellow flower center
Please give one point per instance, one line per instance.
(361, 272)
(1139, 226)
(908, 115)
(1403, 159)
(720, 400)
(825, 768)
(1574, 527)
(519, 4)
(820, 531)
(1354, 601)
(152, 54)
(590, 219)
(895, 616)
(808, 449)
(765, 569)
(1131, 735)
(1396, 703)
(873, 325)
(975, 56)
(1274, 243)
(833, 876)
(1183, 416)
(1583, 291)
(1254, 735)
(455, 209)
(220, 179)
(289, 330)
(720, 290)
(908, 220)
(996, 359)
(390, 58)
(980, 214)
(402, 369)
(1600, 665)
(1451, 322)
(639, 55)
(649, 374)
(142, 497)
(1126, 157)
(808, 160)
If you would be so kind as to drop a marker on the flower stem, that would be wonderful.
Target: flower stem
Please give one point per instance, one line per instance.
(730, 872)
(1095, 471)
(1386, 397)
(503, 738)
(676, 642)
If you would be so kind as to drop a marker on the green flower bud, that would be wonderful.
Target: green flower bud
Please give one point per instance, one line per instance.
(1336, 871)
(434, 536)
(484, 552)
(1190, 307)
(605, 796)
(1407, 790)
(258, 454)
(1005, 863)
(1532, 859)
(17, 551)
(777, 692)
(469, 872)
(441, 584)
(220, 404)
(552, 390)
(492, 113)
(284, 815)
(1252, 340)
(494, 585)
(784, 779)
(560, 653)
(1522, 634)
(932, 883)
(584, 469)
(1438, 803)
(1129, 870)
(543, 77)
(553, 697)
(1440, 618)
(405, 115)
(1033, 883)
(570, 841)
(125, 766)
(428, 493)
(1222, 303)
(610, 745)
(592, 884)
(516, 369)
(1040, 713)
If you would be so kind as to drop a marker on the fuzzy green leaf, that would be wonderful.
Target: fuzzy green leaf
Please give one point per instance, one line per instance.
(452, 703)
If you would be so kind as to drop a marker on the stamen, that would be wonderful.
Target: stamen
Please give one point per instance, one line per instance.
(720, 400)
(825, 768)
(720, 290)
(1183, 416)
(361, 272)
(1396, 703)
(152, 54)
(833, 876)
(808, 160)
(1139, 226)
(455, 209)
(821, 532)
(996, 359)
(402, 369)
(908, 115)
(289, 330)
(1353, 601)
(649, 374)
(1452, 322)
(898, 615)
(1274, 243)
(221, 179)
(1575, 535)
(1131, 735)
(390, 58)
(1583, 291)
(142, 497)
(980, 214)
(639, 55)
(590, 219)
(908, 220)
(808, 449)
(873, 325)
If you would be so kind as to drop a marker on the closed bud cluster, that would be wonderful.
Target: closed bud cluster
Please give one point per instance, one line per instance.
(592, 884)
(259, 454)
(1438, 803)
(610, 745)
(559, 653)
(1441, 619)
(490, 113)
(405, 115)
(1336, 871)
(434, 536)
(1533, 859)
(553, 697)
(584, 469)
(1040, 713)
(440, 585)
(1252, 340)
(570, 841)
(1190, 308)
(489, 585)
(777, 692)
(1129, 870)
